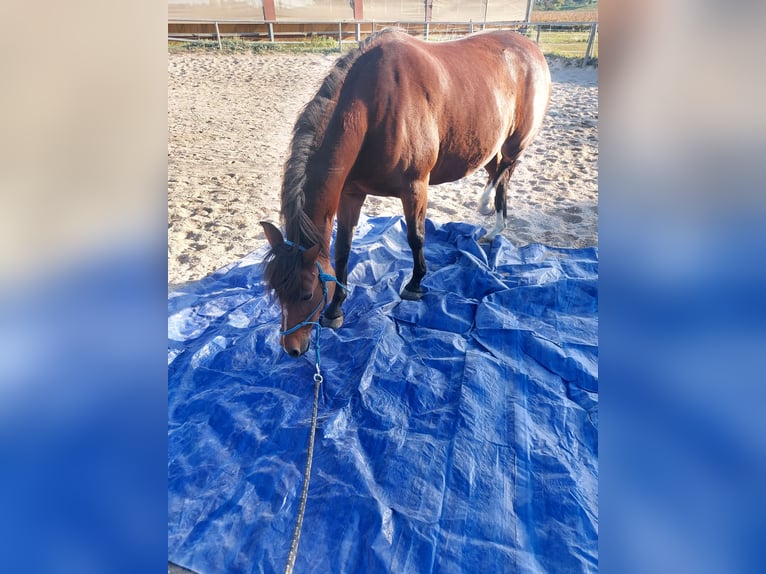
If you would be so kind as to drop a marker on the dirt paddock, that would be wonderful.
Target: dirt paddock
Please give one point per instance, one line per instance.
(230, 117)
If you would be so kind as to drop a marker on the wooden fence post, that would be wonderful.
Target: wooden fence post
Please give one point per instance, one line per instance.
(429, 6)
(591, 39)
(218, 35)
(269, 11)
(358, 6)
(270, 16)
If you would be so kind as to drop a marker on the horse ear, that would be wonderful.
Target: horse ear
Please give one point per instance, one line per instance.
(273, 235)
(311, 255)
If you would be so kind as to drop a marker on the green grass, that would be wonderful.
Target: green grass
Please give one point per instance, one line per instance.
(570, 60)
(566, 44)
(315, 45)
(563, 44)
(567, 6)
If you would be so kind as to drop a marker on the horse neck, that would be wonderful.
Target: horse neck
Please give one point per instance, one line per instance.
(331, 165)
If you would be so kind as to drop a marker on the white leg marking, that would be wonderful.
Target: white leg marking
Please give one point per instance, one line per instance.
(485, 208)
(499, 226)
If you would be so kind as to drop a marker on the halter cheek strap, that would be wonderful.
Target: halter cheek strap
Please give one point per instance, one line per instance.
(324, 278)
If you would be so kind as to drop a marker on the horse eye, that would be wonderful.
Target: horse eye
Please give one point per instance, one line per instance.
(306, 297)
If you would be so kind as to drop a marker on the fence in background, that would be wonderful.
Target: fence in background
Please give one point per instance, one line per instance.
(568, 39)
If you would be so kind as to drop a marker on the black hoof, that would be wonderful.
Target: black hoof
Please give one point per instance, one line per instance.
(331, 323)
(411, 295)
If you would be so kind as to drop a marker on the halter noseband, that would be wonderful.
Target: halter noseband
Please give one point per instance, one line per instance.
(324, 278)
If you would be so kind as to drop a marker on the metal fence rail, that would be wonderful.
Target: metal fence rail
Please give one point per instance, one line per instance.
(569, 39)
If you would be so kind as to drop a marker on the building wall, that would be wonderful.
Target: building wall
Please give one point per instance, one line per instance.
(334, 10)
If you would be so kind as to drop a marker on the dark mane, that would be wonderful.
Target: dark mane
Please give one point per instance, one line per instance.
(282, 263)
(307, 136)
(280, 273)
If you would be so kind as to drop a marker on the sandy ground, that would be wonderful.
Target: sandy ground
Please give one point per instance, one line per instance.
(230, 118)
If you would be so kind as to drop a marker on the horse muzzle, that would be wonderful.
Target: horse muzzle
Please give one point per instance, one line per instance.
(296, 344)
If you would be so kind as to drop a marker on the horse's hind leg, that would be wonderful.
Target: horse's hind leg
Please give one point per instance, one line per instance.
(348, 216)
(502, 178)
(414, 202)
(485, 207)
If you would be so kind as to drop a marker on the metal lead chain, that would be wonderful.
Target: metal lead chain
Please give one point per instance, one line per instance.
(306, 477)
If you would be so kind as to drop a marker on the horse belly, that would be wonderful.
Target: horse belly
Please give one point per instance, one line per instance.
(472, 133)
(461, 155)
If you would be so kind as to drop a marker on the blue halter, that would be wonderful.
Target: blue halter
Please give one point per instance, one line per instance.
(324, 278)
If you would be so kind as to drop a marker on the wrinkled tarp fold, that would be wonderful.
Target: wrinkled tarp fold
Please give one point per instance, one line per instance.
(456, 434)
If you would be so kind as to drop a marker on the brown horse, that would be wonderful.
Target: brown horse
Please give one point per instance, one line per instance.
(391, 118)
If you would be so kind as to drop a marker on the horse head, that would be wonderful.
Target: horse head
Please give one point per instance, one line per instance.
(294, 274)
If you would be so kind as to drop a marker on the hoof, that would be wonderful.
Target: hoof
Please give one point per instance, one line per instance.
(411, 295)
(487, 238)
(331, 323)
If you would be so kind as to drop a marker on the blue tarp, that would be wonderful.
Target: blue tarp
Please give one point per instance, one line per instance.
(456, 434)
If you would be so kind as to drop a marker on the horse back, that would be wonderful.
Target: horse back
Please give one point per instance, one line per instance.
(442, 109)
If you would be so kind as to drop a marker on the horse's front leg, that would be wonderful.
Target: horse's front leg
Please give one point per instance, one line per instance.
(414, 204)
(348, 216)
